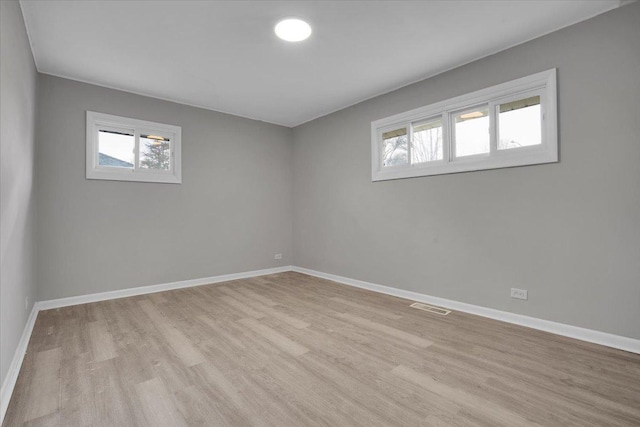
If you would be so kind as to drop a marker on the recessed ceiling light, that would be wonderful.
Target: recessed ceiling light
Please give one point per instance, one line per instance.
(293, 30)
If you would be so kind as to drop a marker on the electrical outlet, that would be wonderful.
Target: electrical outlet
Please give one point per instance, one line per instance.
(277, 256)
(519, 293)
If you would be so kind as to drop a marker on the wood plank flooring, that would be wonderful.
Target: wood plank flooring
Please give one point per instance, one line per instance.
(293, 350)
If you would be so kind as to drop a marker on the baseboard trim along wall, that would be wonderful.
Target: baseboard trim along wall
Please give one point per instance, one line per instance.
(16, 363)
(610, 340)
(142, 290)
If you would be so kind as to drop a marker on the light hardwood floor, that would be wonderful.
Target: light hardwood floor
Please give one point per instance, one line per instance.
(293, 350)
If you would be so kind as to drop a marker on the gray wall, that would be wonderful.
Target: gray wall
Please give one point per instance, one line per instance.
(568, 232)
(18, 79)
(231, 213)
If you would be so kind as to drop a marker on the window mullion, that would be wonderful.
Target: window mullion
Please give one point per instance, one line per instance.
(493, 128)
(136, 149)
(447, 140)
(409, 143)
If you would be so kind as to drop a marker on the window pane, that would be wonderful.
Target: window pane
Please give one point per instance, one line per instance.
(472, 132)
(519, 124)
(427, 141)
(155, 152)
(115, 149)
(395, 147)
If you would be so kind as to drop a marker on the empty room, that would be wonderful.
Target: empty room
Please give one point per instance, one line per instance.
(320, 213)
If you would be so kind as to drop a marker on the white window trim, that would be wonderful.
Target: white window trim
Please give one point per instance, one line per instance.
(543, 84)
(101, 120)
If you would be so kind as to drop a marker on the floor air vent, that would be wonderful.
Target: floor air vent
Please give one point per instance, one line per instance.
(430, 309)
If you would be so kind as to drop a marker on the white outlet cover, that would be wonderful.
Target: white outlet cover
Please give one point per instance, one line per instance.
(277, 256)
(519, 293)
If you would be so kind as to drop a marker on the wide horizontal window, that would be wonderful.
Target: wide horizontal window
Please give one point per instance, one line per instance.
(511, 124)
(124, 149)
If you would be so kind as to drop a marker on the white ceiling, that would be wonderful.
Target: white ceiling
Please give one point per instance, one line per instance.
(224, 56)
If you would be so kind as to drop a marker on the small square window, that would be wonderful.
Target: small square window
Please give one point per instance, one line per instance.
(395, 147)
(519, 123)
(472, 132)
(427, 143)
(124, 149)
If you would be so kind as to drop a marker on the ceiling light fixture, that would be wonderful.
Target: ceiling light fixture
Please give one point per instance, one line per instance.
(293, 30)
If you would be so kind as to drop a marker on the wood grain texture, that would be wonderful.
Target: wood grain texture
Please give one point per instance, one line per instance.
(101, 341)
(293, 350)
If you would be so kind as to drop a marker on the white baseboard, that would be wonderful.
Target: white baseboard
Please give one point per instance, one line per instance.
(16, 363)
(142, 290)
(610, 340)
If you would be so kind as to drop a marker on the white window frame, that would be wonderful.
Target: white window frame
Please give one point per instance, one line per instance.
(541, 84)
(97, 121)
